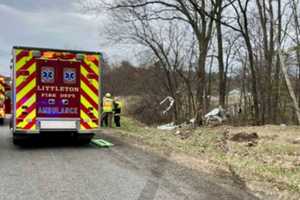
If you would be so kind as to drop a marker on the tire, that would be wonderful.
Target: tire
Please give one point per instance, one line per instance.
(1, 121)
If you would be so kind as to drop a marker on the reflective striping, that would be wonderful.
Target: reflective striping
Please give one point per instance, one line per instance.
(88, 113)
(89, 98)
(31, 125)
(24, 63)
(21, 63)
(89, 91)
(87, 119)
(18, 54)
(25, 82)
(94, 82)
(96, 62)
(87, 105)
(94, 68)
(25, 67)
(84, 125)
(25, 98)
(89, 69)
(21, 54)
(31, 70)
(90, 85)
(29, 118)
(29, 103)
(31, 85)
(25, 90)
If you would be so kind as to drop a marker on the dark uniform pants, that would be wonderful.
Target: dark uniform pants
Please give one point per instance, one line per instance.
(107, 119)
(117, 120)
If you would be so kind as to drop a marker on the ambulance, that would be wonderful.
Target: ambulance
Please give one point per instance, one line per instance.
(2, 100)
(55, 91)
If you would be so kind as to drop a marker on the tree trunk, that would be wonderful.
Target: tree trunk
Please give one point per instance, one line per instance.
(277, 69)
(222, 83)
(253, 81)
(289, 86)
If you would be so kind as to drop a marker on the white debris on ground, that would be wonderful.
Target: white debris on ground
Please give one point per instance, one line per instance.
(192, 121)
(171, 100)
(217, 114)
(167, 127)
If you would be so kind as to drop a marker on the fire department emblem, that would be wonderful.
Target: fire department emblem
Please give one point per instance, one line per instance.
(47, 75)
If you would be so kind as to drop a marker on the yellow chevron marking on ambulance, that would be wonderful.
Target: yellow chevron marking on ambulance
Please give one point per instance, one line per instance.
(26, 89)
(29, 117)
(92, 65)
(31, 70)
(84, 116)
(23, 61)
(82, 127)
(28, 103)
(89, 92)
(93, 81)
(86, 104)
(18, 51)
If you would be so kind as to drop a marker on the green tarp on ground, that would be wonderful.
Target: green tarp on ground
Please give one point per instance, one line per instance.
(101, 143)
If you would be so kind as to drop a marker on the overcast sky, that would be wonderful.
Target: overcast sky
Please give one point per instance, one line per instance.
(50, 23)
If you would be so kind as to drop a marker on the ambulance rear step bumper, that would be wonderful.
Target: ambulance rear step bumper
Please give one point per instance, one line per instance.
(23, 138)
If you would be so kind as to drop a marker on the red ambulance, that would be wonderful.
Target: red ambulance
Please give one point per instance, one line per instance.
(55, 91)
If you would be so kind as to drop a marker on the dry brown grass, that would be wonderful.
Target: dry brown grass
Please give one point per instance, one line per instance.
(271, 166)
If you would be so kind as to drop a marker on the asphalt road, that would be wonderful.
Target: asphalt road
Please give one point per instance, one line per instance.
(64, 171)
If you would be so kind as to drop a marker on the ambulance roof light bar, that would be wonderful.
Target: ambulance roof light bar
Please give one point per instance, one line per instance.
(79, 56)
(36, 53)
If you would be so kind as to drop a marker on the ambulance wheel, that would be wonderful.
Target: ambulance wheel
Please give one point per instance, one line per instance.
(1, 121)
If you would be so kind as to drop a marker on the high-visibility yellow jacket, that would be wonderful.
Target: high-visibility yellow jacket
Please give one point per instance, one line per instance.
(108, 104)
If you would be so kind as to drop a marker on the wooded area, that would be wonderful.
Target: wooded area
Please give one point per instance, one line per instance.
(241, 54)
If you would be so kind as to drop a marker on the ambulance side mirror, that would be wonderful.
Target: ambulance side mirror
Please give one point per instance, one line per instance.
(23, 73)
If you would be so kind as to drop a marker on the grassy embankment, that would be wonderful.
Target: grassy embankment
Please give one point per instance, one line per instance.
(272, 165)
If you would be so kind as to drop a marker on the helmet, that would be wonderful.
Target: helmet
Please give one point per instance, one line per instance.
(108, 95)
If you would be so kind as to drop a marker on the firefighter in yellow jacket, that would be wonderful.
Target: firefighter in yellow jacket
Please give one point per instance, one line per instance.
(108, 106)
